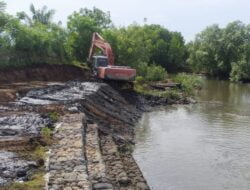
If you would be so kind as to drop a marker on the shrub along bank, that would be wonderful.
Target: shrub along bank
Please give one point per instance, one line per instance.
(36, 39)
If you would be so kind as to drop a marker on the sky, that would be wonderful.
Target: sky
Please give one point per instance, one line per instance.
(186, 16)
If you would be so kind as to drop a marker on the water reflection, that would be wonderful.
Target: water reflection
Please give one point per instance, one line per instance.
(200, 147)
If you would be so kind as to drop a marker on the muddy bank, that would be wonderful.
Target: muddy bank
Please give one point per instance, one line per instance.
(17, 82)
(99, 101)
(106, 130)
(93, 139)
(43, 72)
(14, 168)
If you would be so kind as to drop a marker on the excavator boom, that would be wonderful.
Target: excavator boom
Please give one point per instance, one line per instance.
(99, 42)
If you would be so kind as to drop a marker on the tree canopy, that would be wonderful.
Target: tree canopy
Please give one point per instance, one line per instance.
(150, 48)
(2, 6)
(153, 44)
(42, 15)
(222, 52)
(81, 25)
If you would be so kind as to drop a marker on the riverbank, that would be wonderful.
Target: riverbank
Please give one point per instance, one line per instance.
(92, 140)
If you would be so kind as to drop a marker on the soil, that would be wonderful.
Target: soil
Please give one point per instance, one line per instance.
(110, 114)
(44, 73)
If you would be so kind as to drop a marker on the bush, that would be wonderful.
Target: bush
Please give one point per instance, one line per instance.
(46, 135)
(151, 72)
(188, 82)
(53, 116)
(155, 73)
(240, 71)
(139, 80)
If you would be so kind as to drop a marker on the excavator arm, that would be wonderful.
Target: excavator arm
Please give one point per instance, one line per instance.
(99, 42)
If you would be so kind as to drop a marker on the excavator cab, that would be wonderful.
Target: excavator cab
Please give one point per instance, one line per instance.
(100, 61)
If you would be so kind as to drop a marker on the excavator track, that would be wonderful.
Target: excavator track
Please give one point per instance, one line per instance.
(116, 84)
(120, 85)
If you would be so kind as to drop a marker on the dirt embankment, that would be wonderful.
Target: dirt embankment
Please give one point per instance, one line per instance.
(17, 82)
(93, 138)
(44, 72)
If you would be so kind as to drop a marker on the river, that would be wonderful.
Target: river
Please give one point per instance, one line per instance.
(204, 146)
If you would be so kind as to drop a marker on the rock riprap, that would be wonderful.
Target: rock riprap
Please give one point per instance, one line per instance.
(67, 164)
(13, 167)
(95, 123)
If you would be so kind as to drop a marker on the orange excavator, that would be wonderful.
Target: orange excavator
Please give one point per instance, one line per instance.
(103, 65)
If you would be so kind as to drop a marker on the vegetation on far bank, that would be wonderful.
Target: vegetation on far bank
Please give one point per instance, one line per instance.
(36, 39)
(222, 52)
(150, 48)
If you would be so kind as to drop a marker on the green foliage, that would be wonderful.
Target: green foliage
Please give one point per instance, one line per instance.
(37, 44)
(39, 147)
(222, 52)
(36, 182)
(145, 89)
(151, 72)
(37, 40)
(188, 82)
(46, 134)
(168, 94)
(81, 26)
(139, 80)
(43, 15)
(148, 43)
(53, 116)
(143, 86)
(240, 70)
(155, 73)
(100, 18)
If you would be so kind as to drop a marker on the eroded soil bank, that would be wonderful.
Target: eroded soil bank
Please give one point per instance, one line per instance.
(92, 139)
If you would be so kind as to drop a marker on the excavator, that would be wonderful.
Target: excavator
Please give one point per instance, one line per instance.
(103, 65)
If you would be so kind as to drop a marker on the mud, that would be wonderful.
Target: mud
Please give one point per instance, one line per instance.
(100, 102)
(106, 127)
(93, 139)
(26, 124)
(13, 167)
(43, 72)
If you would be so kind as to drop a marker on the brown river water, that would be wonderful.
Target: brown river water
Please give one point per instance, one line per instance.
(204, 146)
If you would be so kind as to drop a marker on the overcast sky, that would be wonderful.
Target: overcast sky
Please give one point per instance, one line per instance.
(186, 16)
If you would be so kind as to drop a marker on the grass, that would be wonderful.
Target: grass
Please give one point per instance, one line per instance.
(37, 153)
(53, 116)
(46, 135)
(35, 182)
(80, 65)
(143, 87)
(189, 83)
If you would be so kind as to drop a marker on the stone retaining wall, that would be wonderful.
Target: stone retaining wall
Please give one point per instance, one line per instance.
(67, 163)
(84, 158)
(96, 123)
